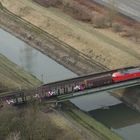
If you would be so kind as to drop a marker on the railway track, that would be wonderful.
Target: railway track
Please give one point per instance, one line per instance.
(54, 43)
(69, 83)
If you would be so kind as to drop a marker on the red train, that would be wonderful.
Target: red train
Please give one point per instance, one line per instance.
(125, 75)
(114, 77)
(79, 84)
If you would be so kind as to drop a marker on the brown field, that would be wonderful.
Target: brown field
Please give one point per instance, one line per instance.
(103, 45)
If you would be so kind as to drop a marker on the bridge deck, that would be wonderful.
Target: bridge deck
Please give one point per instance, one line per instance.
(61, 86)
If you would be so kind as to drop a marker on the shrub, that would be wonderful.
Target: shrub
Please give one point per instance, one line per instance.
(117, 27)
(47, 3)
(78, 11)
(99, 22)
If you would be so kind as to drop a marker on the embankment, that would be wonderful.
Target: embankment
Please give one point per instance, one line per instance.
(47, 44)
(13, 77)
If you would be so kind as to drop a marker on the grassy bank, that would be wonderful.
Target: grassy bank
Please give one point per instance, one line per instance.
(130, 96)
(92, 125)
(11, 76)
(46, 43)
(111, 50)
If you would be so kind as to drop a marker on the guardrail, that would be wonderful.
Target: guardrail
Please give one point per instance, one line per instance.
(124, 84)
(22, 97)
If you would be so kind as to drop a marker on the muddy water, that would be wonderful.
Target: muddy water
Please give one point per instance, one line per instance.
(104, 107)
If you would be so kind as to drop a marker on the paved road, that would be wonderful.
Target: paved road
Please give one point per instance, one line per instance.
(129, 8)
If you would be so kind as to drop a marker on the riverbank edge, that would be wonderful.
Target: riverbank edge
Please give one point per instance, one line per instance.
(25, 80)
(9, 26)
(91, 124)
(131, 102)
(75, 61)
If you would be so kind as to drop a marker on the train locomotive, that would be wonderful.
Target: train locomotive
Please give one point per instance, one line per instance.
(126, 75)
(107, 78)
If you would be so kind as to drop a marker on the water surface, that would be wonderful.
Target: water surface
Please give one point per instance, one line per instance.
(32, 60)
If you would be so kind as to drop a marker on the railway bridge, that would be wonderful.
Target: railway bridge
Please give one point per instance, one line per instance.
(79, 86)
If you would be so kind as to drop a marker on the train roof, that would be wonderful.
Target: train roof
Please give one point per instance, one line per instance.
(123, 72)
(129, 71)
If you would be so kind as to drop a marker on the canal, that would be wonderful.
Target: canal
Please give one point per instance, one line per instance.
(102, 106)
(31, 60)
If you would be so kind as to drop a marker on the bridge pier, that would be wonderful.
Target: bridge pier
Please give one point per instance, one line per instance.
(20, 99)
(58, 105)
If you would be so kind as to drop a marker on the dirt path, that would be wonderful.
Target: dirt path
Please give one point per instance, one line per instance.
(59, 51)
(105, 49)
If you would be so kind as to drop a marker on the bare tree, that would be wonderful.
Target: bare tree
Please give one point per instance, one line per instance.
(112, 11)
(78, 11)
(136, 32)
(99, 21)
(14, 136)
(47, 3)
(117, 27)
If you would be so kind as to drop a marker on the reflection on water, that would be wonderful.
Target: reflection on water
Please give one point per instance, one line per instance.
(131, 132)
(112, 118)
(32, 60)
(28, 55)
(95, 101)
(121, 119)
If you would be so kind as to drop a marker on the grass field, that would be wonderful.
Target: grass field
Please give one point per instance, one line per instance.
(13, 77)
(105, 46)
(107, 49)
(92, 125)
